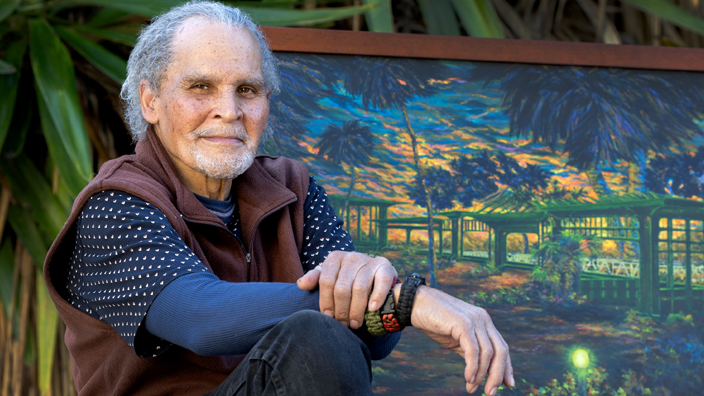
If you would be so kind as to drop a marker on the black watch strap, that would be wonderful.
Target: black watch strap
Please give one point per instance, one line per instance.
(405, 300)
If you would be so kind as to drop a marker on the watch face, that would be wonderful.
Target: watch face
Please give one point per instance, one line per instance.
(418, 280)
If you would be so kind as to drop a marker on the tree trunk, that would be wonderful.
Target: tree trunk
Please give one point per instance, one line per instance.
(633, 177)
(428, 203)
(349, 192)
(597, 181)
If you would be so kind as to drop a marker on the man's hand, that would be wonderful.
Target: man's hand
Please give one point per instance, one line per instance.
(345, 279)
(467, 330)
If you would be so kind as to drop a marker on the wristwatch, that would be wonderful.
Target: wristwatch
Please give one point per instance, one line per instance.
(389, 317)
(405, 300)
(383, 320)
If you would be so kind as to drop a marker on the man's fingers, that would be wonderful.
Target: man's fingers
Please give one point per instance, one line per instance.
(497, 370)
(486, 353)
(309, 281)
(345, 279)
(470, 348)
(328, 278)
(360, 294)
(343, 292)
(383, 279)
(468, 330)
(508, 373)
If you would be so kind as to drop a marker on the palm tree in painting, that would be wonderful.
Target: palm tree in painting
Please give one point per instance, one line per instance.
(350, 145)
(304, 80)
(386, 84)
(599, 115)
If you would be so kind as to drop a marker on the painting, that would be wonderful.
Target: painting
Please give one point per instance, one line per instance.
(567, 199)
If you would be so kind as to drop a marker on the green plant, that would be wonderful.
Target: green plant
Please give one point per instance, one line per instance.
(680, 319)
(596, 384)
(633, 384)
(560, 260)
(485, 270)
(510, 296)
(61, 66)
(407, 262)
(532, 293)
(644, 327)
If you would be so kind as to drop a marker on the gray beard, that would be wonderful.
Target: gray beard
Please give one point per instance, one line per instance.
(224, 169)
(229, 167)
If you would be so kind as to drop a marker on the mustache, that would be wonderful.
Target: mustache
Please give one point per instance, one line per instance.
(235, 132)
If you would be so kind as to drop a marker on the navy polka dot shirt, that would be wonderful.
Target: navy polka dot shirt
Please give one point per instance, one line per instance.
(127, 253)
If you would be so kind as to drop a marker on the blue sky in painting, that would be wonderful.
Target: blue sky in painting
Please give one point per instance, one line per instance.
(463, 118)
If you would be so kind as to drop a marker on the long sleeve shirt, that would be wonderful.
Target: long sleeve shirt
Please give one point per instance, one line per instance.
(132, 270)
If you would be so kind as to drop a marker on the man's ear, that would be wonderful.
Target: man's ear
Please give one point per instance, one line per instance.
(148, 98)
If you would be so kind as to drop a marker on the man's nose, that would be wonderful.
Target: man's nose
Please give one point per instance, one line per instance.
(228, 107)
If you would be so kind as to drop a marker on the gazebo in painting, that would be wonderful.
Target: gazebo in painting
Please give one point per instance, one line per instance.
(670, 235)
(410, 224)
(361, 220)
(668, 275)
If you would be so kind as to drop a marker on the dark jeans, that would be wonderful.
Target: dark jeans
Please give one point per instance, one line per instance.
(306, 354)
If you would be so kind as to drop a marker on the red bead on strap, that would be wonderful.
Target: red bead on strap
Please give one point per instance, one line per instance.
(388, 311)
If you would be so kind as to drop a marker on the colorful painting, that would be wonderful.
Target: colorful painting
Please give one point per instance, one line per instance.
(567, 201)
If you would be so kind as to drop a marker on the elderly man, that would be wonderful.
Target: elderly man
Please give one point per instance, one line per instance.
(182, 268)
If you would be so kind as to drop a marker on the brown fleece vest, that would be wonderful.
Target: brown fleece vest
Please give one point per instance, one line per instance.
(270, 197)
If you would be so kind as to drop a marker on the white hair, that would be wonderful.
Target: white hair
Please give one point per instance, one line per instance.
(153, 53)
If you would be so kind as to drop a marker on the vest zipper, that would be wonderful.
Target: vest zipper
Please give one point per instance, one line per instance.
(256, 225)
(248, 256)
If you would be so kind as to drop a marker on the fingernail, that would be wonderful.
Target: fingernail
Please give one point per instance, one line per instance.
(472, 380)
(299, 279)
(344, 323)
(328, 313)
(474, 389)
(512, 381)
(354, 324)
(493, 392)
(373, 306)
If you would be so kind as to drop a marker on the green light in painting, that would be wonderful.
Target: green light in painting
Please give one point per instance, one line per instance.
(580, 358)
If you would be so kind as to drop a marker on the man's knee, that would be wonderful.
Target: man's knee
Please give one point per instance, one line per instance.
(308, 318)
(310, 322)
(315, 331)
(314, 337)
(312, 348)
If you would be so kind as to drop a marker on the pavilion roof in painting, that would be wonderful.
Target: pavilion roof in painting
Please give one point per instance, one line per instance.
(354, 201)
(506, 209)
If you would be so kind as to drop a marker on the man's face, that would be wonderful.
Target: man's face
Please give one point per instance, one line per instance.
(213, 105)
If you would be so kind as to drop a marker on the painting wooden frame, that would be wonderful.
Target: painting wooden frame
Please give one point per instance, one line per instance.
(652, 305)
(481, 49)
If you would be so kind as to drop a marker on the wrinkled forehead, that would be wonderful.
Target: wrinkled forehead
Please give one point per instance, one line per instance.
(200, 42)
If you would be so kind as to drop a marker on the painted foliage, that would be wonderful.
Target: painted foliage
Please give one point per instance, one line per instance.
(567, 201)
